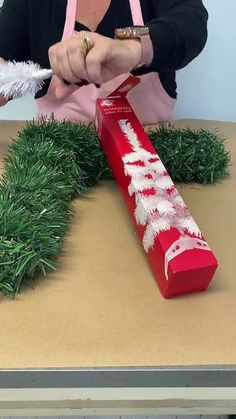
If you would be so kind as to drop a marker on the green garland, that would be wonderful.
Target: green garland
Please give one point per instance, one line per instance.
(192, 156)
(50, 161)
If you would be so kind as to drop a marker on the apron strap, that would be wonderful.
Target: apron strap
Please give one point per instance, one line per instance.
(70, 19)
(67, 33)
(136, 11)
(135, 7)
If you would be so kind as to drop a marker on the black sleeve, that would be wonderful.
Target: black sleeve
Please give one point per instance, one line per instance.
(14, 40)
(178, 34)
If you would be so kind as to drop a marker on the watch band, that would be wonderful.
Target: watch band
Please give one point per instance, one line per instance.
(147, 50)
(140, 33)
(131, 32)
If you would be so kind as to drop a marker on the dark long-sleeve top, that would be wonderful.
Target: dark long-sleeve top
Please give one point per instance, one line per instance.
(178, 30)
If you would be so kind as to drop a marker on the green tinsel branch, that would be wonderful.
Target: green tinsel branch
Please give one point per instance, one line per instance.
(50, 161)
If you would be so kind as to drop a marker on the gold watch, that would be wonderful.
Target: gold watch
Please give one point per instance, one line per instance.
(141, 33)
(132, 32)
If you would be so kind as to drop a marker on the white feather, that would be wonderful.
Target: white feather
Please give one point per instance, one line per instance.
(19, 79)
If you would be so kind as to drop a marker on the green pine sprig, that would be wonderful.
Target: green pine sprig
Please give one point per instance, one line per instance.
(51, 161)
(192, 156)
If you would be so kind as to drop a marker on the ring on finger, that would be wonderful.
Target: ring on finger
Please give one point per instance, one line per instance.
(87, 44)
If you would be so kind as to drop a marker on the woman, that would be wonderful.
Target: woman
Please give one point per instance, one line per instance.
(76, 39)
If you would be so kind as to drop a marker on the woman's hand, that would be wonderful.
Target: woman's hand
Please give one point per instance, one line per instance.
(106, 59)
(3, 100)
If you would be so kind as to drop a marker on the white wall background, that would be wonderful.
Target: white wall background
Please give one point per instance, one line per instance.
(206, 88)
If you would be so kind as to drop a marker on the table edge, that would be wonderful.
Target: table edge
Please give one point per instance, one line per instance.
(132, 377)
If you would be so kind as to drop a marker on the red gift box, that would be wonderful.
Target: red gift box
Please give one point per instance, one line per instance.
(181, 259)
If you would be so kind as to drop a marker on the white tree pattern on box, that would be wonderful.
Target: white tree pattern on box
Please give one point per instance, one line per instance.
(159, 207)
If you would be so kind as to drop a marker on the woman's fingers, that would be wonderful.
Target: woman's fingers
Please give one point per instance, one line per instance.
(67, 60)
(76, 56)
(59, 62)
(93, 58)
(93, 62)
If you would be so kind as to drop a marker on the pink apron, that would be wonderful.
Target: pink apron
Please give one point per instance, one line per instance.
(149, 99)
